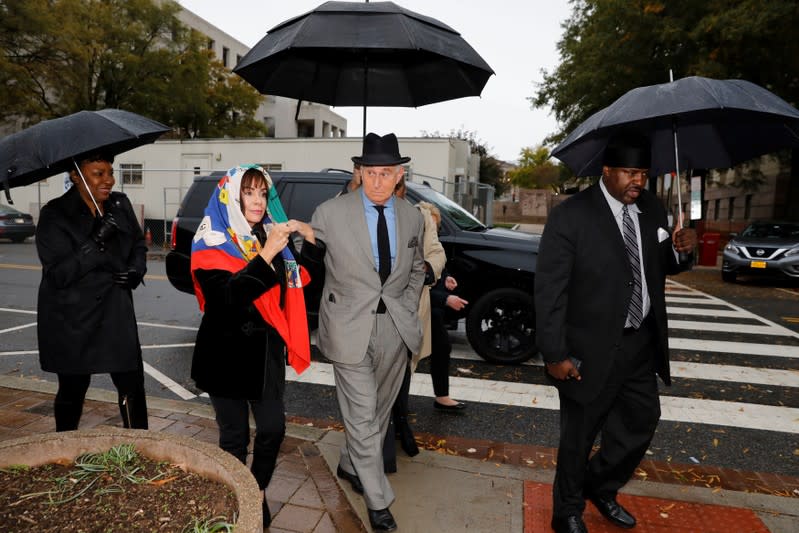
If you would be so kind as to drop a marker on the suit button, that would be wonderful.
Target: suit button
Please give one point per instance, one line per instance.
(629, 283)
(373, 312)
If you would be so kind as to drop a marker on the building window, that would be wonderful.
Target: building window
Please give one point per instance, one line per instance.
(269, 122)
(238, 58)
(131, 173)
(305, 128)
(748, 207)
(716, 208)
(225, 53)
(731, 208)
(196, 171)
(211, 44)
(269, 167)
(705, 207)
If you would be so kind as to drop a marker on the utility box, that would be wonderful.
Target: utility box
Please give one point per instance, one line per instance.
(709, 249)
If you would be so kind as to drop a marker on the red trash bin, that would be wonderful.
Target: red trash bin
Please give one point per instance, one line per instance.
(709, 249)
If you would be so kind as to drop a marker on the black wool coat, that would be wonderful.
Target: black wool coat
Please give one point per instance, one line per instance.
(234, 341)
(583, 286)
(86, 322)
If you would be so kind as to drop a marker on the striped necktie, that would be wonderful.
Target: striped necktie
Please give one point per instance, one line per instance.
(635, 313)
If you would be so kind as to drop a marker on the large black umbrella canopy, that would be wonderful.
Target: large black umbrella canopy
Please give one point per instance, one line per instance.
(49, 147)
(718, 124)
(365, 53)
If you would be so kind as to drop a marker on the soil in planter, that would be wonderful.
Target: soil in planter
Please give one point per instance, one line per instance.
(32, 499)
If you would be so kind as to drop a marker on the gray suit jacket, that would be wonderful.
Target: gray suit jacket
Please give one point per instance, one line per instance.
(352, 287)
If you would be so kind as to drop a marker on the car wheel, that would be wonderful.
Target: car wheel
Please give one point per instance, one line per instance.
(501, 326)
(728, 276)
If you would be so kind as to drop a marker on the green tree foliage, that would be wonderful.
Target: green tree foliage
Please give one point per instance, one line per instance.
(611, 46)
(491, 172)
(535, 170)
(61, 56)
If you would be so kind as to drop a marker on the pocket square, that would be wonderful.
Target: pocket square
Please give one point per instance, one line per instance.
(662, 235)
(413, 243)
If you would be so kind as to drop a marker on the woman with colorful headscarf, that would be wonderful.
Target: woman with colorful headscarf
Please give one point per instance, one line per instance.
(249, 285)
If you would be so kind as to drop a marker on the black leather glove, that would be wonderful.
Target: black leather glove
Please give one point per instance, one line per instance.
(127, 280)
(108, 227)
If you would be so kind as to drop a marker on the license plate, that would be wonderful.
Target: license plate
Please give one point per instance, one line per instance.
(19, 221)
(758, 264)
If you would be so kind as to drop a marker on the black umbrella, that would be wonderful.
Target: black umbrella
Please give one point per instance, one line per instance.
(52, 146)
(364, 53)
(719, 123)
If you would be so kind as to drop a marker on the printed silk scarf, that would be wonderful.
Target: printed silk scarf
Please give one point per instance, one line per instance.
(224, 242)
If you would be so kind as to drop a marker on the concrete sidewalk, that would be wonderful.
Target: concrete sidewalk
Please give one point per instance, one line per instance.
(454, 485)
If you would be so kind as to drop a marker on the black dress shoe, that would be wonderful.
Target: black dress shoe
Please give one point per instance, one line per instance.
(352, 478)
(382, 520)
(569, 524)
(614, 512)
(460, 406)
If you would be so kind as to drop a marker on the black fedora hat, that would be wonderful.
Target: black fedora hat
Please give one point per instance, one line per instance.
(380, 151)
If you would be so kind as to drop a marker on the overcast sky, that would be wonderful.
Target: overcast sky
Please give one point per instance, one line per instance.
(517, 38)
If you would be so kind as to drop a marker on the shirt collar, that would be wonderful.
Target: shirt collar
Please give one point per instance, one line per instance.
(368, 203)
(615, 205)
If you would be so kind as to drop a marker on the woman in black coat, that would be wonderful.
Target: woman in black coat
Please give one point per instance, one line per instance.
(249, 285)
(93, 255)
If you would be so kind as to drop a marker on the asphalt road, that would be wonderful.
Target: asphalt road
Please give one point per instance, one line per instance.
(735, 352)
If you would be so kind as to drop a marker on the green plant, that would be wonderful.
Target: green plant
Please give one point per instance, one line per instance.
(120, 462)
(216, 524)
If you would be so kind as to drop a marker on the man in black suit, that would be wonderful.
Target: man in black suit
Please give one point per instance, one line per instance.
(602, 330)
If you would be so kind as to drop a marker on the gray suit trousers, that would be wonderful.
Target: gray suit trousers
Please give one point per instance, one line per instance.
(366, 390)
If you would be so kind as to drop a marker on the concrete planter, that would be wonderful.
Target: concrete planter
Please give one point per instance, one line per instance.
(199, 457)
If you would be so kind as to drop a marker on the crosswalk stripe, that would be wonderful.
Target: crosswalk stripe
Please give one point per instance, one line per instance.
(713, 412)
(745, 348)
(735, 374)
(694, 301)
(730, 328)
(710, 312)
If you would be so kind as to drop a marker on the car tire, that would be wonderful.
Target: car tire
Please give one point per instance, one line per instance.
(500, 326)
(729, 276)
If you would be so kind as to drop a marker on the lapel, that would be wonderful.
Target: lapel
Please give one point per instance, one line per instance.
(400, 236)
(608, 227)
(360, 230)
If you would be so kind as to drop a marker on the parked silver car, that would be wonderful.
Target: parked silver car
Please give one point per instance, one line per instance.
(763, 248)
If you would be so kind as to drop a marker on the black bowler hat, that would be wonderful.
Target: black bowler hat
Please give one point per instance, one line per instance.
(380, 152)
(628, 148)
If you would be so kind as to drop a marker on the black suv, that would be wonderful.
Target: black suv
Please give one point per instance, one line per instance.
(494, 267)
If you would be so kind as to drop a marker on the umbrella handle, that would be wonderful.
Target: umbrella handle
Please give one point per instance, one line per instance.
(7, 188)
(97, 207)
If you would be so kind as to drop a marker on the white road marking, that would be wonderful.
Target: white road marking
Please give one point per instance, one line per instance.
(730, 328)
(736, 374)
(22, 311)
(694, 301)
(746, 348)
(15, 328)
(712, 412)
(710, 312)
(167, 326)
(168, 382)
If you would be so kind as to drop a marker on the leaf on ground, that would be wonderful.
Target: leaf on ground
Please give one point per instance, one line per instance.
(159, 482)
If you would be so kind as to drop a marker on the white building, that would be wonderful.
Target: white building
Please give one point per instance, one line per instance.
(156, 176)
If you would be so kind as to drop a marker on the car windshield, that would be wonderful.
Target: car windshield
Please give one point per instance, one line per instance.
(7, 210)
(456, 213)
(771, 230)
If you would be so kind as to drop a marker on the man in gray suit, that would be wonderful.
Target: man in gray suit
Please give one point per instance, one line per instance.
(368, 315)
